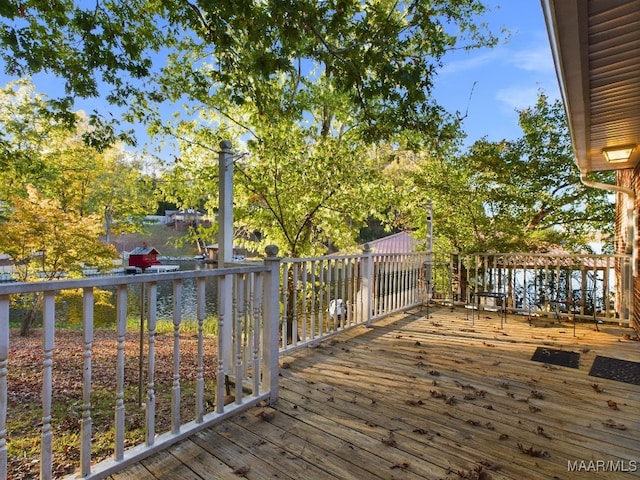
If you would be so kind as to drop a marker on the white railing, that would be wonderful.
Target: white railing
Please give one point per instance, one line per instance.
(247, 358)
(325, 295)
(266, 309)
(584, 286)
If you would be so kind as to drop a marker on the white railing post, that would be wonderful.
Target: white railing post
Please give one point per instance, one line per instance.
(225, 237)
(366, 285)
(271, 323)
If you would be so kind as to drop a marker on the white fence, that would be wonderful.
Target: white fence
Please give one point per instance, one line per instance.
(324, 295)
(248, 355)
(584, 286)
(267, 309)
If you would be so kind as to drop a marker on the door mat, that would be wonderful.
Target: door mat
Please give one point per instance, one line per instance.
(616, 369)
(556, 357)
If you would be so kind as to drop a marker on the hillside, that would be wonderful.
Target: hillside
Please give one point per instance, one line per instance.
(161, 237)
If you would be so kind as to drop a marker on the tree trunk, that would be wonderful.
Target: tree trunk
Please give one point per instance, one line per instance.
(31, 316)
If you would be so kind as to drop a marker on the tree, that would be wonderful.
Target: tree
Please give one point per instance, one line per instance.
(46, 242)
(39, 150)
(58, 194)
(310, 88)
(520, 195)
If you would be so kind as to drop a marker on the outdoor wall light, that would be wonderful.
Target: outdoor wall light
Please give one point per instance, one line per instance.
(618, 154)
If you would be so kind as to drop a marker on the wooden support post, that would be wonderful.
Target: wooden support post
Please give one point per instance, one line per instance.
(271, 323)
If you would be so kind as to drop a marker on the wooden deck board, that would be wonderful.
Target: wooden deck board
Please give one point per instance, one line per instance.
(428, 397)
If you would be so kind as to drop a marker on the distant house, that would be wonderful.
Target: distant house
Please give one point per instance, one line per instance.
(143, 257)
(183, 219)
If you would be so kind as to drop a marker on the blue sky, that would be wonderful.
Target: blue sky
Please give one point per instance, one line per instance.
(508, 77)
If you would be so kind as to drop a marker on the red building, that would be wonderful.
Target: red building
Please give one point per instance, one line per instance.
(143, 257)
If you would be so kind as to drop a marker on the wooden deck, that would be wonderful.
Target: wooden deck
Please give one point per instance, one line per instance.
(435, 397)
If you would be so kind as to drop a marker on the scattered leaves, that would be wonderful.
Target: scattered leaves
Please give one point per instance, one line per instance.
(611, 424)
(597, 388)
(536, 394)
(612, 405)
(540, 431)
(533, 452)
(266, 415)
(241, 471)
(390, 440)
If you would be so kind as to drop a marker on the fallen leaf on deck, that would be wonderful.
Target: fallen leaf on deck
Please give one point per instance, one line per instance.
(266, 415)
(597, 388)
(612, 405)
(533, 452)
(611, 424)
(540, 431)
(390, 440)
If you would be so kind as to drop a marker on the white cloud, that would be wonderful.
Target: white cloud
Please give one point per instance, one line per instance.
(518, 97)
(470, 62)
(536, 59)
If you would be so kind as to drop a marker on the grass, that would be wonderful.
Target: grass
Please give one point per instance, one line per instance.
(165, 239)
(24, 419)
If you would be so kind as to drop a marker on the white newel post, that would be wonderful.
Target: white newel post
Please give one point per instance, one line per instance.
(366, 285)
(271, 323)
(225, 240)
(428, 266)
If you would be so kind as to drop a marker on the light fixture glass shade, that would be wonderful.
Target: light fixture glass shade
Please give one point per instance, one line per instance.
(618, 154)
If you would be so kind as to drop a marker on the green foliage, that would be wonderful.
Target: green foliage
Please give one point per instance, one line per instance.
(521, 195)
(309, 89)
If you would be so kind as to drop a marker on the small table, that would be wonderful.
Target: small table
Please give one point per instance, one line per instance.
(502, 308)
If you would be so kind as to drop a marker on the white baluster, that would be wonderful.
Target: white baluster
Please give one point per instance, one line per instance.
(86, 423)
(177, 318)
(256, 295)
(151, 394)
(48, 334)
(121, 330)
(222, 314)
(238, 316)
(200, 314)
